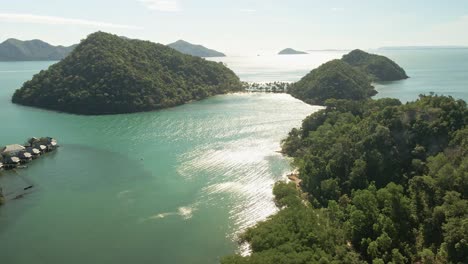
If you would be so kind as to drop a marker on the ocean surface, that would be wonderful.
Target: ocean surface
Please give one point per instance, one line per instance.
(171, 186)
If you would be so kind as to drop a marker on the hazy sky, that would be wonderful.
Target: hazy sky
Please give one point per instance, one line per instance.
(241, 26)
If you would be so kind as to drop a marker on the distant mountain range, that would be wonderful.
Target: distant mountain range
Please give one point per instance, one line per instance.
(290, 51)
(421, 47)
(31, 50)
(195, 50)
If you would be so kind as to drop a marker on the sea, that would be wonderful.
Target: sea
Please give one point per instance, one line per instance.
(172, 186)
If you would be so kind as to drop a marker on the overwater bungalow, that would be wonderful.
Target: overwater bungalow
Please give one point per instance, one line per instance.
(48, 142)
(51, 143)
(12, 156)
(24, 156)
(11, 150)
(34, 152)
(40, 147)
(11, 162)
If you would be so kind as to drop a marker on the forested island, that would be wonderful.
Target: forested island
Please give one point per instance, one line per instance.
(379, 181)
(348, 78)
(195, 50)
(379, 68)
(108, 74)
(334, 79)
(289, 51)
(32, 50)
(382, 182)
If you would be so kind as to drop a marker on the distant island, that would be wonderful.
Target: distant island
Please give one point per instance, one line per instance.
(195, 50)
(32, 50)
(290, 51)
(108, 74)
(349, 78)
(379, 68)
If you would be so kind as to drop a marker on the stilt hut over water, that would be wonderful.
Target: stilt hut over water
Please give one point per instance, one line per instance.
(12, 155)
(24, 156)
(48, 142)
(12, 150)
(34, 152)
(40, 147)
(11, 162)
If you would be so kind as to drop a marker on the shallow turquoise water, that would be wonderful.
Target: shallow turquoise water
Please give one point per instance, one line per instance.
(172, 186)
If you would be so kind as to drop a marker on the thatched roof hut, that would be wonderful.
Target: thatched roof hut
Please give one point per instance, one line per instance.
(11, 160)
(40, 147)
(10, 150)
(33, 151)
(24, 156)
(49, 142)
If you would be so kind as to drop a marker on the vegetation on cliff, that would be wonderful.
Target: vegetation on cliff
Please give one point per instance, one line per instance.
(107, 74)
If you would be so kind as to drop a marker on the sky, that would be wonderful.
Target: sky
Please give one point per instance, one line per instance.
(243, 27)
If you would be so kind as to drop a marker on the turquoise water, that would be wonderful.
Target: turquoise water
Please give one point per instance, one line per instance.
(172, 186)
(439, 71)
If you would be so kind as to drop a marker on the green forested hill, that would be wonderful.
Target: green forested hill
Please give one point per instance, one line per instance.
(385, 182)
(31, 50)
(380, 68)
(107, 74)
(334, 79)
(195, 50)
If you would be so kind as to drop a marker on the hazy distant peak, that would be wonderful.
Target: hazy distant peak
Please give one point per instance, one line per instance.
(194, 49)
(181, 41)
(31, 50)
(290, 51)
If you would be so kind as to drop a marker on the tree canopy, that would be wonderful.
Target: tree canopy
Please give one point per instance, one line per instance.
(108, 74)
(383, 182)
(380, 68)
(334, 79)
